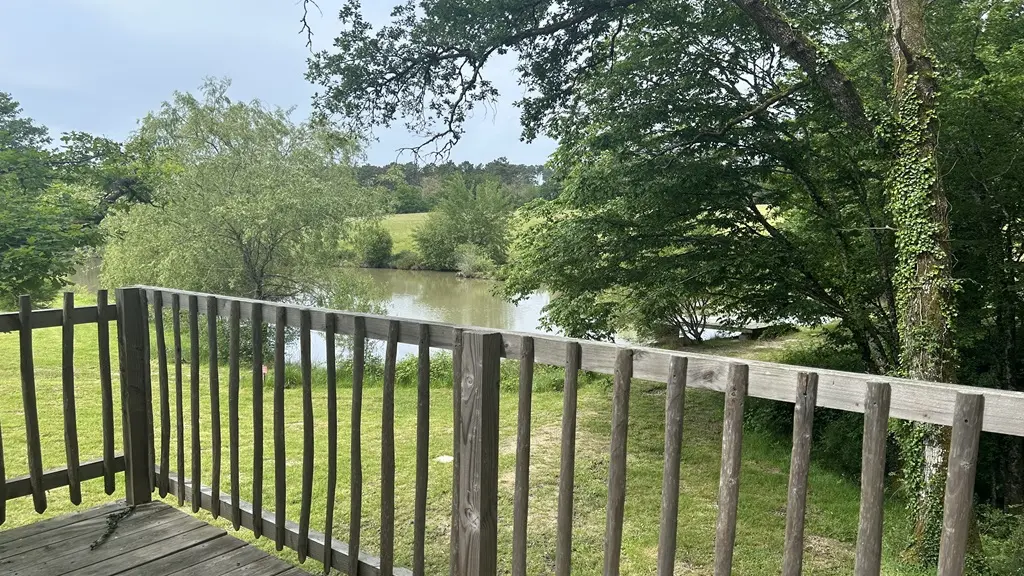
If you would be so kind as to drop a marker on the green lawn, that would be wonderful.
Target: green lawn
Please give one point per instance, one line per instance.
(401, 227)
(832, 507)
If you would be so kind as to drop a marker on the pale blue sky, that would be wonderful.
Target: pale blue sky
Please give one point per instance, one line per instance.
(99, 65)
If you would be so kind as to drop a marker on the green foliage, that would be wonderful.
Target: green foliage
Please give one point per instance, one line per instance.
(52, 199)
(254, 207)
(476, 216)
(407, 260)
(473, 262)
(373, 246)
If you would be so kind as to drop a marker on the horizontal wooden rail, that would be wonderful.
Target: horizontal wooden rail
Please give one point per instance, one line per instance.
(911, 399)
(21, 486)
(368, 565)
(54, 317)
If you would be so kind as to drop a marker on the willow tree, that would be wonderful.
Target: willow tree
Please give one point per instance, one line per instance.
(253, 203)
(846, 87)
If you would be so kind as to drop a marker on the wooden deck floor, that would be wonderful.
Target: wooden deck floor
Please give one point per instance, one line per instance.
(154, 540)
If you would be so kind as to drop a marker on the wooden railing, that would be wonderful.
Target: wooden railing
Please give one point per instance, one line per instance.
(477, 355)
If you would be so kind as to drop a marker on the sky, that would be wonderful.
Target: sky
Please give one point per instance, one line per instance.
(98, 66)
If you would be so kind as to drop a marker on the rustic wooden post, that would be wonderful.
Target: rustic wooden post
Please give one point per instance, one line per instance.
(963, 468)
(478, 447)
(131, 335)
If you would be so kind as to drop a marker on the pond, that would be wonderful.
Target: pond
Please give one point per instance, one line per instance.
(419, 295)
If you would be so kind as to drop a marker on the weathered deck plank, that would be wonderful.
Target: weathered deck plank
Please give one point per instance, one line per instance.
(154, 540)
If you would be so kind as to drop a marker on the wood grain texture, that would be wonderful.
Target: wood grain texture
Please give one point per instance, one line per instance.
(387, 454)
(617, 463)
(196, 443)
(341, 553)
(419, 559)
(799, 467)
(567, 470)
(958, 507)
(28, 402)
(675, 404)
(521, 494)
(280, 471)
(214, 381)
(478, 445)
(147, 348)
(132, 326)
(457, 375)
(911, 399)
(306, 366)
(54, 317)
(68, 397)
(331, 351)
(256, 324)
(356, 454)
(872, 480)
(21, 486)
(163, 393)
(179, 395)
(106, 388)
(729, 476)
(234, 345)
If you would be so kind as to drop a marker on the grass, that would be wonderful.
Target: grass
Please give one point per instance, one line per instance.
(401, 228)
(832, 506)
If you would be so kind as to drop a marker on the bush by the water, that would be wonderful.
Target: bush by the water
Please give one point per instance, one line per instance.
(473, 262)
(373, 246)
(407, 260)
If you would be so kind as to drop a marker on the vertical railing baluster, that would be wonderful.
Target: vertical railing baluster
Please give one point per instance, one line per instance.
(234, 327)
(280, 492)
(132, 325)
(958, 506)
(356, 473)
(179, 394)
(521, 494)
(197, 463)
(872, 480)
(28, 398)
(799, 467)
(306, 365)
(106, 392)
(68, 395)
(617, 464)
(478, 442)
(675, 404)
(148, 375)
(3, 480)
(330, 326)
(387, 454)
(257, 418)
(567, 470)
(454, 569)
(729, 475)
(422, 451)
(215, 438)
(165, 409)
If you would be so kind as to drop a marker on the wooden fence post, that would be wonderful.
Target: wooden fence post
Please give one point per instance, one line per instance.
(131, 336)
(958, 506)
(478, 447)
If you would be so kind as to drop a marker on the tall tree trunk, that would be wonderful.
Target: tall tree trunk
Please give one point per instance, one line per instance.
(924, 282)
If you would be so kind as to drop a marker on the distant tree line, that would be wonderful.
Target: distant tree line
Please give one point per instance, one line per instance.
(417, 187)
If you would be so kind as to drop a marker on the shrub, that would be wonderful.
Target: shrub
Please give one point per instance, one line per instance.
(473, 262)
(407, 260)
(373, 246)
(437, 245)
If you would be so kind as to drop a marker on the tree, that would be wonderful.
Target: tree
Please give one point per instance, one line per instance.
(255, 206)
(776, 106)
(465, 215)
(53, 198)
